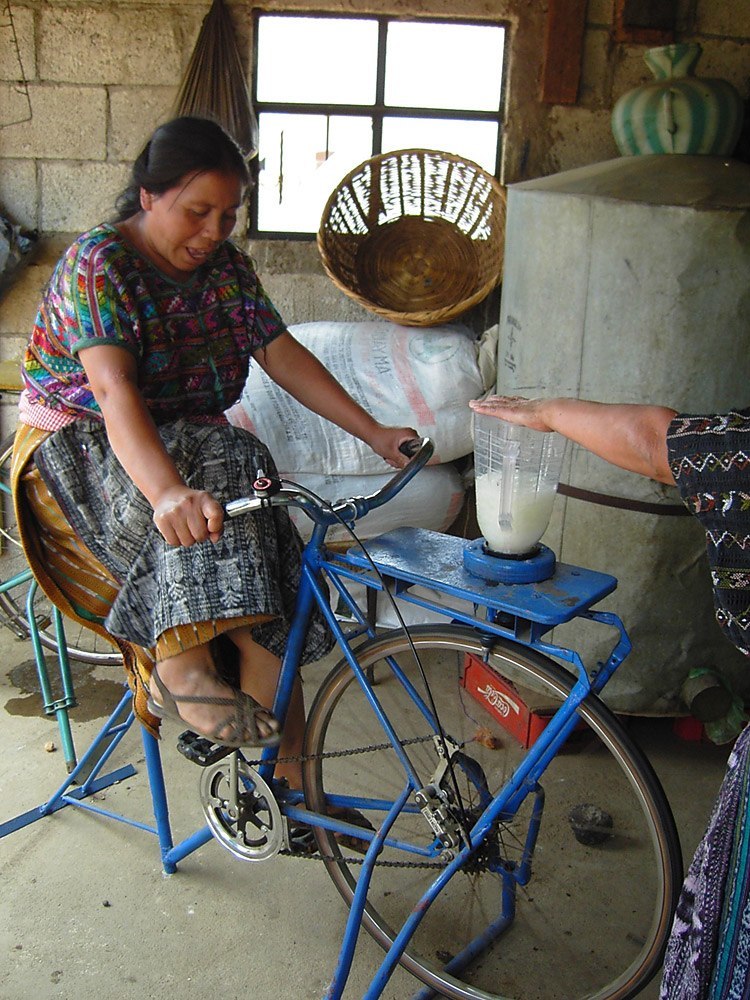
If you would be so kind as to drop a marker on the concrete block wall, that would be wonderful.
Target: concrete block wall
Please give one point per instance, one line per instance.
(98, 77)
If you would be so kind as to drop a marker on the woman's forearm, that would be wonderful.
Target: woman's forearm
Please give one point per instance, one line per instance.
(301, 374)
(631, 436)
(136, 443)
(182, 515)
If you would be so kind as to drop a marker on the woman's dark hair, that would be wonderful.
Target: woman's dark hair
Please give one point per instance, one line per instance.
(178, 148)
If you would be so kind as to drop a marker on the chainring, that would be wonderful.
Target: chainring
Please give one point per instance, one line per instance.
(241, 810)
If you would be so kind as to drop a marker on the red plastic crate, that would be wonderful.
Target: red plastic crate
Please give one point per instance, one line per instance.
(690, 730)
(503, 702)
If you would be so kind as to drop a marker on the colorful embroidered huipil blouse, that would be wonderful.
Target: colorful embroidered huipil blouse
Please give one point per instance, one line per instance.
(710, 460)
(193, 340)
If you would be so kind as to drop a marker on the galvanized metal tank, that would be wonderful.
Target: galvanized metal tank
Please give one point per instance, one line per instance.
(629, 281)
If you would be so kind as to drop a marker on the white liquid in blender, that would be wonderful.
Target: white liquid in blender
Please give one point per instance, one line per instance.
(529, 515)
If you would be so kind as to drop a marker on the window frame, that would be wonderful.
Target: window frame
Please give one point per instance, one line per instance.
(379, 109)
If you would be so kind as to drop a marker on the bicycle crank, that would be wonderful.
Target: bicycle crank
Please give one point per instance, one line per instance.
(241, 810)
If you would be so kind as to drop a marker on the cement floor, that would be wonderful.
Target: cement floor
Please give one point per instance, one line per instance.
(86, 912)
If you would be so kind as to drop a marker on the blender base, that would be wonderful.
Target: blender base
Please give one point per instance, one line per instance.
(480, 561)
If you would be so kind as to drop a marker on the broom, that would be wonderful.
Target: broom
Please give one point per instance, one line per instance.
(214, 85)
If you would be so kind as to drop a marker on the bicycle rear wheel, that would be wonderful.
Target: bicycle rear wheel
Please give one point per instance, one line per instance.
(572, 934)
(82, 643)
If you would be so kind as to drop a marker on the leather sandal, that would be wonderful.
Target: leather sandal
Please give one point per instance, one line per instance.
(239, 729)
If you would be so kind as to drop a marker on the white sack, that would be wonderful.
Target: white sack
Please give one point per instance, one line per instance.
(433, 499)
(404, 377)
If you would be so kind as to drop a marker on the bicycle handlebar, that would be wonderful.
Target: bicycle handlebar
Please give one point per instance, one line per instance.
(269, 492)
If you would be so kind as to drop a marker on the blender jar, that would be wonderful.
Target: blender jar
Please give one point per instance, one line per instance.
(517, 471)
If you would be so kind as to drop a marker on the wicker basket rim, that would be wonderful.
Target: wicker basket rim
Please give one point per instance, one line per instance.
(397, 153)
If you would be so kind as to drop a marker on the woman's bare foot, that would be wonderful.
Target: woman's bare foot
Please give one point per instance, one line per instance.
(188, 688)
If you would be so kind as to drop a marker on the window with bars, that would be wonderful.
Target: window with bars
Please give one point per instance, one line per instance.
(331, 91)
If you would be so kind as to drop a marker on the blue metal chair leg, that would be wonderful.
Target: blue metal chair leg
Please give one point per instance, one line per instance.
(54, 706)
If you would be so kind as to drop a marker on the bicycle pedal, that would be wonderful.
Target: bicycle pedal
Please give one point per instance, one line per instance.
(301, 839)
(200, 750)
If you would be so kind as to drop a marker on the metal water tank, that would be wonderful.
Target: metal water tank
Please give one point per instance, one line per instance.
(629, 281)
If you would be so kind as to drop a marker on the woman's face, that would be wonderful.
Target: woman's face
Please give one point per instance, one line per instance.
(183, 226)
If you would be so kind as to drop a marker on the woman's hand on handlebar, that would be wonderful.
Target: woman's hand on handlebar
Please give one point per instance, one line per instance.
(387, 441)
(185, 516)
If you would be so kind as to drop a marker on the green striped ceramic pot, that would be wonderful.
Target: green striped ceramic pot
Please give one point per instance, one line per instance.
(678, 112)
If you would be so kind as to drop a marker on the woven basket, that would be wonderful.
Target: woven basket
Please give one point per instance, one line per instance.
(416, 236)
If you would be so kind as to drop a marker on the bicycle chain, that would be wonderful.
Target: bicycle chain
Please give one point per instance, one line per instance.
(317, 856)
(327, 755)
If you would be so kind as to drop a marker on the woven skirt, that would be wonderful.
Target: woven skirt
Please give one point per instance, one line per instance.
(253, 570)
(708, 956)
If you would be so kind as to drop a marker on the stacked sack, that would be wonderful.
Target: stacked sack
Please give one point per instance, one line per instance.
(421, 378)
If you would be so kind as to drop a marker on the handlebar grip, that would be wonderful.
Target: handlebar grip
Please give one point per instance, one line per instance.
(421, 452)
(411, 446)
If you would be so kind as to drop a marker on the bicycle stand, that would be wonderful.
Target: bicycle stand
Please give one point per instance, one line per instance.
(92, 763)
(94, 760)
(85, 777)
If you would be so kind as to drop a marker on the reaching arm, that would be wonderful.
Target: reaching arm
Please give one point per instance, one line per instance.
(299, 372)
(631, 436)
(182, 515)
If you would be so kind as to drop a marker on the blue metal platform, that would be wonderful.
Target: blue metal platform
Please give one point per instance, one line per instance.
(418, 557)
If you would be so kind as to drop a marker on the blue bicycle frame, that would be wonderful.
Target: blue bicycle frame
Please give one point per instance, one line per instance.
(404, 563)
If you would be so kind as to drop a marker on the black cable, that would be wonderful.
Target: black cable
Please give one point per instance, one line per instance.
(326, 505)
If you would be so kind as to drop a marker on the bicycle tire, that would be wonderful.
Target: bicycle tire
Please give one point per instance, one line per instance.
(82, 644)
(600, 947)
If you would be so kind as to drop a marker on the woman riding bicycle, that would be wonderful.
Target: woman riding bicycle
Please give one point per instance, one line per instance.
(124, 457)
